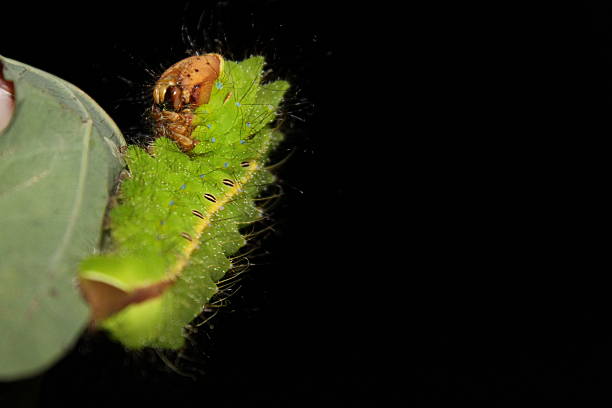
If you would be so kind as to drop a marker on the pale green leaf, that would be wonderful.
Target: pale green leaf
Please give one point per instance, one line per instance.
(59, 159)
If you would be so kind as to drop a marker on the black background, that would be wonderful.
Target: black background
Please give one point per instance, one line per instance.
(308, 324)
(428, 245)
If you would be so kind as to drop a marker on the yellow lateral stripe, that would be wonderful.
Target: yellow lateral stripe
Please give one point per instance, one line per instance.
(176, 269)
(205, 222)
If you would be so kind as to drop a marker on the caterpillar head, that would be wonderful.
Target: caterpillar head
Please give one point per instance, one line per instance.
(188, 83)
(178, 91)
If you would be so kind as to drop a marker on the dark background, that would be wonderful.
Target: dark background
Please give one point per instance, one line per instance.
(429, 244)
(308, 323)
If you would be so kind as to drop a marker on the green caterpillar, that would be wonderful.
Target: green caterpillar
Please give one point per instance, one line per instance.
(180, 211)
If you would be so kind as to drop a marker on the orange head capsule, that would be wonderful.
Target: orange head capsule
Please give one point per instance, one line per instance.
(180, 89)
(188, 83)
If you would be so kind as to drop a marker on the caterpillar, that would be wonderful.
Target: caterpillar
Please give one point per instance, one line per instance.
(187, 196)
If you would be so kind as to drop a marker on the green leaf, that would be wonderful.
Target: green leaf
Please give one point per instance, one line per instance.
(59, 160)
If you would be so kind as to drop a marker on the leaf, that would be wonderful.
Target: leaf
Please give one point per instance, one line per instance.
(59, 160)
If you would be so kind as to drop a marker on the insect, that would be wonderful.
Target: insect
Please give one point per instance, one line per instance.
(177, 224)
(180, 89)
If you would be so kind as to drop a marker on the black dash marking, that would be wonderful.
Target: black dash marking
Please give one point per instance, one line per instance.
(210, 197)
(245, 164)
(228, 182)
(197, 214)
(186, 236)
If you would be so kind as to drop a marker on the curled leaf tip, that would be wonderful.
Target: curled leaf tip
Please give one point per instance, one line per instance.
(106, 300)
(7, 100)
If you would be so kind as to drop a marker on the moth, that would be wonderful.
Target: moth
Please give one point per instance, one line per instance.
(186, 199)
